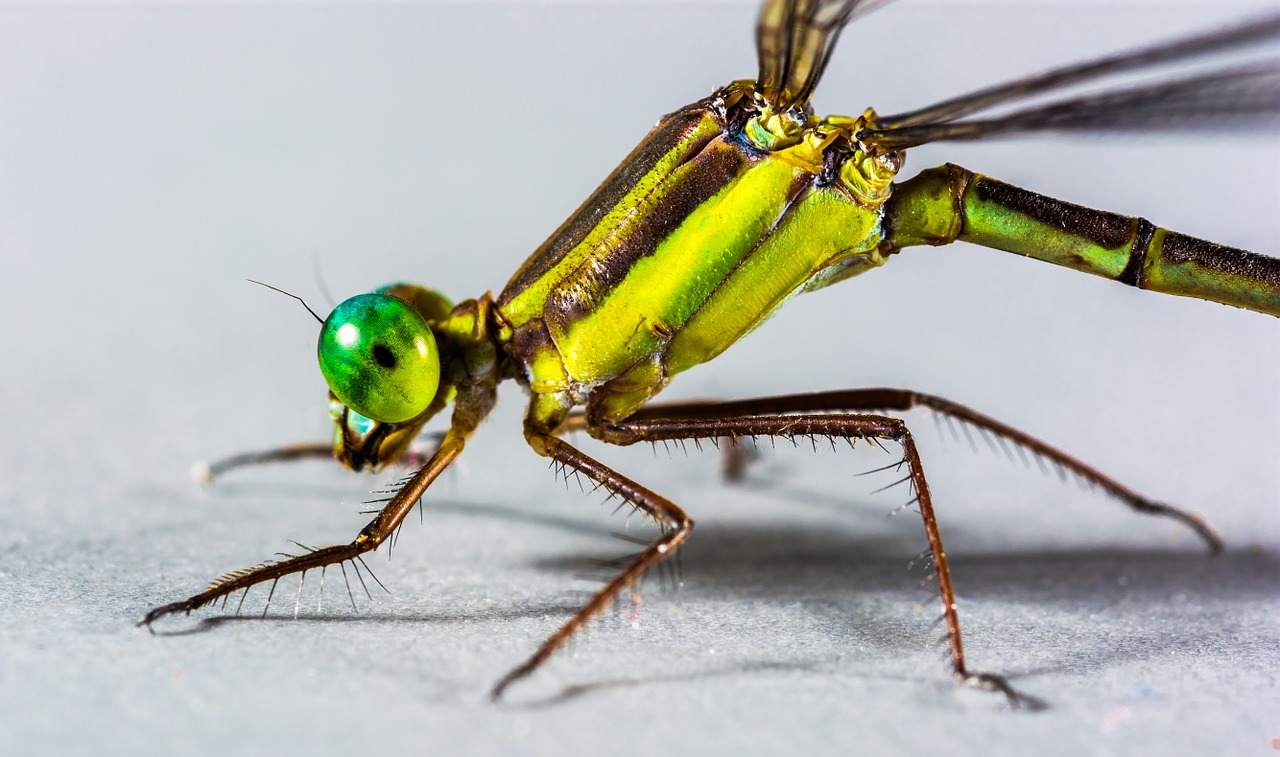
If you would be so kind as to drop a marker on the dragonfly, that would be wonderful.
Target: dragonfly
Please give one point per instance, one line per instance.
(726, 209)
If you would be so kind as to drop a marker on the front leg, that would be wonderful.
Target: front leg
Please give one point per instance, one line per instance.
(372, 535)
(206, 473)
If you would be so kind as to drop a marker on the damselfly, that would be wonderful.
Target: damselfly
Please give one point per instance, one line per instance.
(730, 206)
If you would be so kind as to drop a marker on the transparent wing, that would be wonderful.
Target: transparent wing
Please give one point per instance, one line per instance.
(1218, 97)
(794, 39)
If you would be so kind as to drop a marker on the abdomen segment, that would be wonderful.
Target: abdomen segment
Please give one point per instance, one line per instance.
(949, 203)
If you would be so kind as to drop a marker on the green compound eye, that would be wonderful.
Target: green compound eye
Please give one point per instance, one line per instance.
(380, 358)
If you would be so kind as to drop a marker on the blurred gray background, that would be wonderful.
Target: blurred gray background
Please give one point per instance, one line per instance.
(153, 157)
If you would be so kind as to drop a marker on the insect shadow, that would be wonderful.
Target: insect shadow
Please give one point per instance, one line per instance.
(829, 574)
(209, 624)
(812, 566)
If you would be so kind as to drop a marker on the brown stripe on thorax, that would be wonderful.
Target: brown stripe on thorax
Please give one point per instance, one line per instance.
(640, 162)
(608, 265)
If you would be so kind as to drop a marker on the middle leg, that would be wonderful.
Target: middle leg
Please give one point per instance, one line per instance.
(902, 400)
(675, 524)
(709, 422)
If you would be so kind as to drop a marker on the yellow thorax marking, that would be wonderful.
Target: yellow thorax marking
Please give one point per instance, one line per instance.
(799, 137)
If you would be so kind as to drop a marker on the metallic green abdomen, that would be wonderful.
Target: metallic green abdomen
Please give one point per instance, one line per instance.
(691, 243)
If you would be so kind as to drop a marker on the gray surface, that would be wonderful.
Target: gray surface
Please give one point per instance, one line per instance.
(154, 157)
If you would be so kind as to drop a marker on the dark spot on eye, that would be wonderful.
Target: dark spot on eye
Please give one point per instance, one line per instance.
(383, 355)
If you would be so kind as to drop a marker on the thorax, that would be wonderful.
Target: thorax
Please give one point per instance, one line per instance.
(717, 217)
